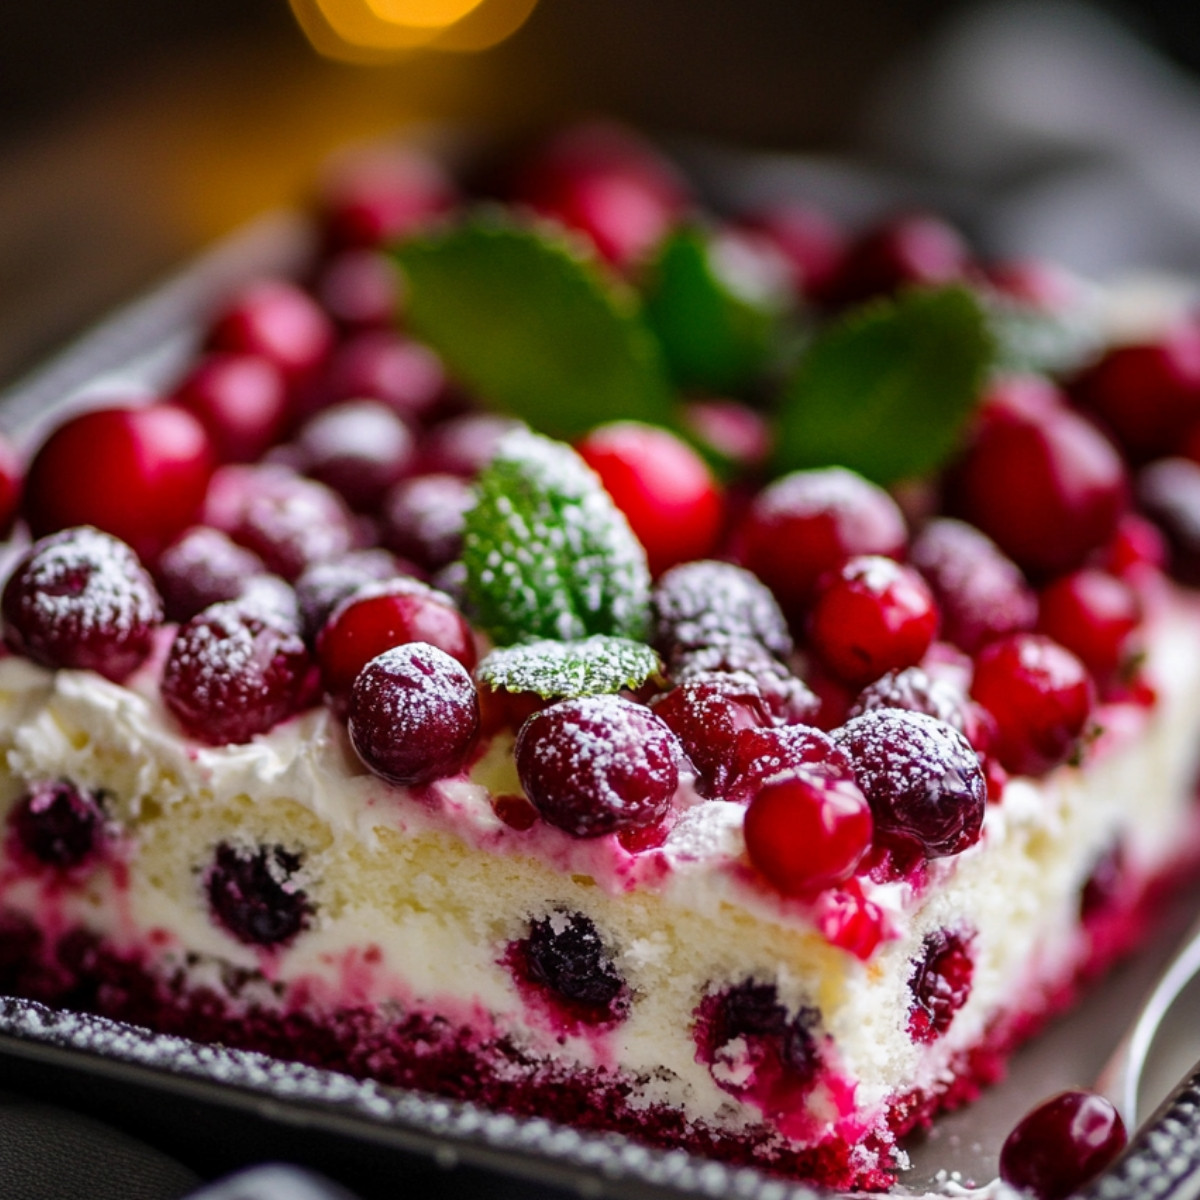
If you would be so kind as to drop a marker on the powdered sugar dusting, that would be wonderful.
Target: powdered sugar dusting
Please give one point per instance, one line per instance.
(589, 667)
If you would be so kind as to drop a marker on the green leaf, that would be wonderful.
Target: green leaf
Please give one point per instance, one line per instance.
(534, 325)
(885, 391)
(552, 669)
(716, 307)
(547, 553)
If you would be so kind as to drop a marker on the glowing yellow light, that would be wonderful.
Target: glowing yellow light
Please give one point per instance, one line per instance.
(422, 14)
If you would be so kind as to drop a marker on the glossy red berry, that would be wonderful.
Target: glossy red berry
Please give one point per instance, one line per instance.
(1048, 491)
(203, 566)
(1138, 545)
(735, 433)
(1040, 696)
(1094, 615)
(665, 489)
(252, 894)
(241, 399)
(137, 473)
(806, 831)
(762, 754)
(810, 522)
(871, 616)
(80, 598)
(380, 364)
(413, 714)
(233, 671)
(915, 690)
(423, 519)
(921, 778)
(323, 586)
(380, 616)
(940, 984)
(598, 765)
(1168, 492)
(788, 698)
(1062, 1144)
(279, 321)
(359, 289)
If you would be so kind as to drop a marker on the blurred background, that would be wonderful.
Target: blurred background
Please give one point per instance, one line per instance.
(133, 132)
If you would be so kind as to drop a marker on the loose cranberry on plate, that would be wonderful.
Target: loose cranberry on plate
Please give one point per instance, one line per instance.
(139, 473)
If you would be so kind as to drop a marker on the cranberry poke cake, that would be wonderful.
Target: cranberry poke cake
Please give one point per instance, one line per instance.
(722, 679)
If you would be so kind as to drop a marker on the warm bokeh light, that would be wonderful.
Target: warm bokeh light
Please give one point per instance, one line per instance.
(377, 30)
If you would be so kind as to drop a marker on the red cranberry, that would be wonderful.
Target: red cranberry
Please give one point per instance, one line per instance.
(940, 984)
(762, 754)
(914, 249)
(463, 445)
(1136, 546)
(233, 671)
(413, 714)
(1040, 284)
(57, 824)
(137, 473)
(1062, 1144)
(423, 518)
(921, 778)
(873, 615)
(1105, 885)
(359, 289)
(1146, 394)
(706, 713)
(383, 365)
(699, 605)
(733, 432)
(1048, 491)
(981, 593)
(1040, 696)
(915, 690)
(81, 599)
(788, 698)
(606, 183)
(1168, 492)
(252, 895)
(377, 617)
(241, 399)
(597, 765)
(360, 448)
(323, 586)
(278, 320)
(807, 831)
(1094, 615)
(563, 952)
(664, 488)
(290, 522)
(12, 482)
(1028, 397)
(810, 242)
(201, 567)
(382, 194)
(810, 522)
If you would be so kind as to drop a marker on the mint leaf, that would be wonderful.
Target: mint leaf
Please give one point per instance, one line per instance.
(534, 326)
(547, 553)
(716, 305)
(885, 391)
(552, 669)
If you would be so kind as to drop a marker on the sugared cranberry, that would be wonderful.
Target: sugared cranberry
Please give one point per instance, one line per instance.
(80, 598)
(699, 605)
(664, 488)
(810, 242)
(1168, 491)
(598, 764)
(233, 671)
(761, 754)
(1040, 696)
(609, 185)
(1094, 615)
(137, 473)
(915, 690)
(203, 566)
(12, 483)
(1137, 546)
(323, 586)
(252, 895)
(279, 321)
(912, 249)
(289, 521)
(241, 399)
(921, 778)
(564, 952)
(413, 714)
(1028, 397)
(981, 593)
(58, 824)
(870, 616)
(706, 713)
(940, 983)
(788, 698)
(1048, 490)
(360, 448)
(810, 522)
(735, 433)
(383, 365)
(423, 518)
(463, 445)
(1062, 1144)
(1146, 394)
(379, 616)
(382, 194)
(359, 289)
(806, 831)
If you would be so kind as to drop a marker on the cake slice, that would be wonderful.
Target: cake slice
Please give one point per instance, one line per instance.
(761, 820)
